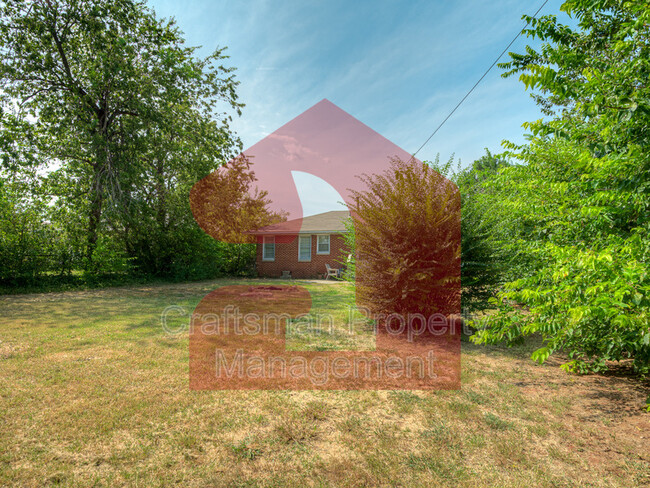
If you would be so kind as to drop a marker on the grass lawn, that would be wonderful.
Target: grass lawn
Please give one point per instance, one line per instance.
(94, 393)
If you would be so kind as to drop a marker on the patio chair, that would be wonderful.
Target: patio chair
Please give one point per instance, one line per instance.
(335, 272)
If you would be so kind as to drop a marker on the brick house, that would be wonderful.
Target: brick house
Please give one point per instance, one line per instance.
(302, 248)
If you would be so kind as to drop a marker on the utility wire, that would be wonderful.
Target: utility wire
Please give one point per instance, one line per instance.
(479, 80)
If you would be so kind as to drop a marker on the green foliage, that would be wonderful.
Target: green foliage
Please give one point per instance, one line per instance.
(349, 244)
(107, 258)
(107, 119)
(579, 259)
(481, 264)
(595, 77)
(24, 241)
(574, 216)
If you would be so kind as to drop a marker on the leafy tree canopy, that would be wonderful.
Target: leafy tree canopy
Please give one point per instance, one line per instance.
(574, 215)
(120, 118)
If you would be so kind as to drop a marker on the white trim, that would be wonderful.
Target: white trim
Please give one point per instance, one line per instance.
(329, 244)
(264, 257)
(310, 244)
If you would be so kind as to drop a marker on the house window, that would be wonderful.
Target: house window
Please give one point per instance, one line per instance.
(268, 248)
(323, 246)
(304, 248)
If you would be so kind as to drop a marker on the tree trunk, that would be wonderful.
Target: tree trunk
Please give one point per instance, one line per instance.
(161, 193)
(94, 216)
(102, 162)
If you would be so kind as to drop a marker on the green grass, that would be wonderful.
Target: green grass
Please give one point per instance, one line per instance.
(94, 393)
(334, 323)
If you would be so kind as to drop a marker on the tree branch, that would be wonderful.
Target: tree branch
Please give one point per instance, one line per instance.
(64, 59)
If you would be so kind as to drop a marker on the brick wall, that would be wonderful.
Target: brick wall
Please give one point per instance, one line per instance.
(286, 258)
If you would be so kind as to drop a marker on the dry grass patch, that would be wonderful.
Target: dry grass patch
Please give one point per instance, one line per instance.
(94, 393)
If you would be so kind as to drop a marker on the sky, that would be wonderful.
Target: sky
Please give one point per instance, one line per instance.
(399, 67)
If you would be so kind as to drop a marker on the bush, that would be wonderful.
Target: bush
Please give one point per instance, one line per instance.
(407, 230)
(578, 244)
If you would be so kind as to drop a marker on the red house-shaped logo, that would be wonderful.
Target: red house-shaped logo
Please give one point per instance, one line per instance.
(232, 345)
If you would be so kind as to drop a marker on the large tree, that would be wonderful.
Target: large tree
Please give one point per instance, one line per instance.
(121, 109)
(575, 215)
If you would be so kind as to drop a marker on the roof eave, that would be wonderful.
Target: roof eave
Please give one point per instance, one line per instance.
(293, 232)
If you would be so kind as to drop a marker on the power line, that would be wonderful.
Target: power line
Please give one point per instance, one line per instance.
(479, 80)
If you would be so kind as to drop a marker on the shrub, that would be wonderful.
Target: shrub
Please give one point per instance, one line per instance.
(407, 237)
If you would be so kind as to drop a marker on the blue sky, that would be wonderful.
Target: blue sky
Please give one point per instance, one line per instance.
(398, 66)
